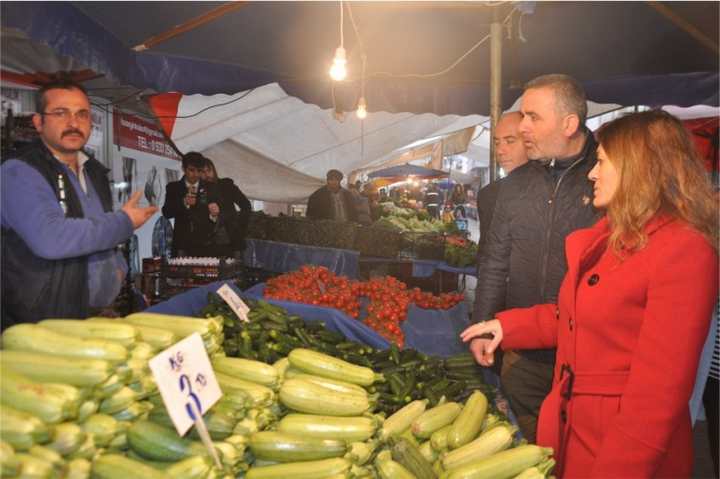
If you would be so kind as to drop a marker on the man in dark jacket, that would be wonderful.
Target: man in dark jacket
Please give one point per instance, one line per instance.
(229, 226)
(59, 232)
(511, 154)
(332, 202)
(187, 201)
(523, 259)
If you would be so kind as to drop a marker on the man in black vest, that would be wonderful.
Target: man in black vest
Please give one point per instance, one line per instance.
(59, 233)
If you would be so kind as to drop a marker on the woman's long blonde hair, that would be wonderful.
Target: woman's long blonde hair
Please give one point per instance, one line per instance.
(660, 174)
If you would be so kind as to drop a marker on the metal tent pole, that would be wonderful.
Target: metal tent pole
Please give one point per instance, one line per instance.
(495, 85)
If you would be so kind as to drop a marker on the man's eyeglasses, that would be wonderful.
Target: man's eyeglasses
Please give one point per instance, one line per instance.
(82, 116)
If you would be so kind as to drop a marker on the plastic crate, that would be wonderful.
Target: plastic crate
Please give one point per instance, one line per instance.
(423, 245)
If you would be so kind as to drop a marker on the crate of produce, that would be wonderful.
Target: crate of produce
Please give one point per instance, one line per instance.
(320, 233)
(423, 245)
(258, 225)
(377, 241)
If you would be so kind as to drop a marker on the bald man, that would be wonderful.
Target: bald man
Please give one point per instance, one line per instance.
(511, 154)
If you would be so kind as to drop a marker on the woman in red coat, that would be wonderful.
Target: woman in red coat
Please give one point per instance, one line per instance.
(633, 310)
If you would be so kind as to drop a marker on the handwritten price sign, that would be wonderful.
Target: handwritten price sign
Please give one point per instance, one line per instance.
(186, 381)
(233, 300)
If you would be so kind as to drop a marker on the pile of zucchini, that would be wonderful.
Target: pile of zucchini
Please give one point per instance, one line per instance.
(331, 432)
(77, 401)
(271, 333)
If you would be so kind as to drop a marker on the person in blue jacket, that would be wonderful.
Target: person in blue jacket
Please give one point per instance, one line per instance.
(59, 232)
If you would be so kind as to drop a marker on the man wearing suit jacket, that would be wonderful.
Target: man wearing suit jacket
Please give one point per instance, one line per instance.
(187, 202)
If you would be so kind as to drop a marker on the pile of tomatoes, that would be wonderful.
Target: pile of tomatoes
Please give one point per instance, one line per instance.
(389, 298)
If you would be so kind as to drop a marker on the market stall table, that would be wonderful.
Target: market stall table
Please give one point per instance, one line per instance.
(444, 277)
(430, 331)
(433, 332)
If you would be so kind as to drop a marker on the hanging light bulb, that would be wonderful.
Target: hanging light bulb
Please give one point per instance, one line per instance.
(338, 71)
(362, 108)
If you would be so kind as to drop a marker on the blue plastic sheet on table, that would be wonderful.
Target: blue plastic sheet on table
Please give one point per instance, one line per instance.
(424, 268)
(282, 257)
(430, 331)
(191, 302)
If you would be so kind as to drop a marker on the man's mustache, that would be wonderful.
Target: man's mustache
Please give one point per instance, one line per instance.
(72, 132)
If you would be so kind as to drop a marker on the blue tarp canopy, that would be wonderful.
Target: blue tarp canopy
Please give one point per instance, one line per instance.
(623, 52)
(407, 170)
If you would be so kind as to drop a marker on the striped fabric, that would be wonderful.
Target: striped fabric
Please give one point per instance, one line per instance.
(715, 362)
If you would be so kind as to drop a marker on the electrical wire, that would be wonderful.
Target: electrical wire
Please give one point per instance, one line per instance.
(453, 65)
(342, 34)
(197, 113)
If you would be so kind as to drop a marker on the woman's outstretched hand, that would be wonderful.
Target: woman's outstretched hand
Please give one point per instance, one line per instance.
(481, 345)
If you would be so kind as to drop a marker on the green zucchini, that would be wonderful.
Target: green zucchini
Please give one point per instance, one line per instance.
(34, 398)
(284, 447)
(117, 332)
(467, 425)
(489, 443)
(22, 430)
(9, 464)
(435, 418)
(31, 337)
(258, 394)
(349, 429)
(324, 365)
(301, 470)
(67, 438)
(307, 397)
(48, 368)
(114, 466)
(402, 419)
(504, 464)
(158, 443)
(334, 384)
(249, 370)
(406, 454)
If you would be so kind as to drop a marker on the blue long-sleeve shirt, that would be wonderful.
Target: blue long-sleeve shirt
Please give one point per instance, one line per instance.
(31, 209)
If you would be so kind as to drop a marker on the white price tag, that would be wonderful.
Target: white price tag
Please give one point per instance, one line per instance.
(186, 381)
(233, 300)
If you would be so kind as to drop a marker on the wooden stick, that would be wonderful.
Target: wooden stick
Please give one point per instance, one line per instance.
(189, 25)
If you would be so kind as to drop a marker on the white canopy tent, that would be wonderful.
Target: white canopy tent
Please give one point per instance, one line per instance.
(278, 148)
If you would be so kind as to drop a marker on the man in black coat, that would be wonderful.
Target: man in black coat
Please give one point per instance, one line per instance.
(332, 202)
(523, 258)
(511, 154)
(187, 201)
(229, 226)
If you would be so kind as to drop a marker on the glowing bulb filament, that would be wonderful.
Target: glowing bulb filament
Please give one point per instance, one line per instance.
(338, 71)
(362, 108)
